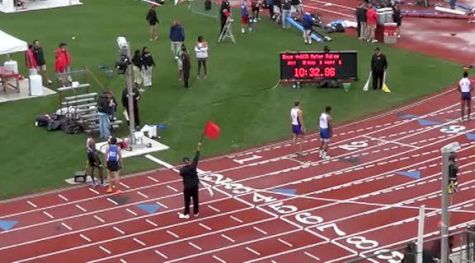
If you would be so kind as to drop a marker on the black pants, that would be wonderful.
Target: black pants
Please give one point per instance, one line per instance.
(136, 115)
(378, 79)
(358, 28)
(223, 22)
(189, 193)
(271, 11)
(202, 61)
(186, 76)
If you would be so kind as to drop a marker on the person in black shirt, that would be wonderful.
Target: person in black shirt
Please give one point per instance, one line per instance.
(453, 173)
(379, 64)
(148, 64)
(361, 21)
(125, 104)
(40, 61)
(190, 184)
(152, 21)
(397, 18)
(224, 12)
(185, 60)
(137, 64)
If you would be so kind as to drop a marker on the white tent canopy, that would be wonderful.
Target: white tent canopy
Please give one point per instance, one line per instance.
(10, 44)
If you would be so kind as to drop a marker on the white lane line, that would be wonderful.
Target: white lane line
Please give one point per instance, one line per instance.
(112, 201)
(205, 226)
(160, 254)
(124, 185)
(172, 188)
(153, 179)
(228, 238)
(236, 219)
(32, 204)
(48, 214)
(93, 190)
(66, 226)
(253, 251)
(194, 245)
(81, 208)
(142, 194)
(130, 211)
(151, 222)
(219, 259)
(119, 230)
(85, 238)
(123, 260)
(62, 197)
(105, 250)
(312, 256)
(260, 230)
(140, 242)
(160, 204)
(100, 219)
(285, 242)
(173, 234)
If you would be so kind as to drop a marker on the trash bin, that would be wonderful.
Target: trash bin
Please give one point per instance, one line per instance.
(390, 33)
(347, 86)
(36, 85)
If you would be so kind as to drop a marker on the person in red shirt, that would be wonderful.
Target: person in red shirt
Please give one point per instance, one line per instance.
(30, 60)
(371, 20)
(62, 62)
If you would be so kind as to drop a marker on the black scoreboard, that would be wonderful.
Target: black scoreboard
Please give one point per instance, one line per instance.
(307, 66)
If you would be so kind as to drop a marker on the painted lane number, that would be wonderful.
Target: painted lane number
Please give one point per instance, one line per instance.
(354, 145)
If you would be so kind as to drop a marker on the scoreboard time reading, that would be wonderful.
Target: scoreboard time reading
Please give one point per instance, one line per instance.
(306, 66)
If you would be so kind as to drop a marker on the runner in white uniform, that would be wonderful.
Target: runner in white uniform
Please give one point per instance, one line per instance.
(325, 132)
(298, 129)
(465, 88)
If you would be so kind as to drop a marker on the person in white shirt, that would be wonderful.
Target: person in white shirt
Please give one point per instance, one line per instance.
(465, 88)
(201, 50)
(298, 128)
(326, 132)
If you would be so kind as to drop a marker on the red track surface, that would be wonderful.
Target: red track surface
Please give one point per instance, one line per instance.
(352, 206)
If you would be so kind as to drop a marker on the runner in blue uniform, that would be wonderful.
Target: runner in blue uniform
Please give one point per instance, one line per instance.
(325, 124)
(298, 128)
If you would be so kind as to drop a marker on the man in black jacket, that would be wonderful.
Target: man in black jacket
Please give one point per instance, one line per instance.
(40, 60)
(125, 104)
(190, 184)
(361, 21)
(379, 64)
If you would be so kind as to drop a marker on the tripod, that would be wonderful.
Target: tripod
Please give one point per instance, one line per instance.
(227, 32)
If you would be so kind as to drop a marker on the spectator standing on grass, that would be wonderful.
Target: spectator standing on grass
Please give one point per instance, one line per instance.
(379, 64)
(135, 100)
(152, 19)
(270, 6)
(286, 7)
(40, 60)
(361, 21)
(371, 19)
(30, 61)
(465, 88)
(255, 8)
(191, 182)
(62, 63)
(224, 13)
(244, 17)
(148, 64)
(201, 50)
(114, 164)
(177, 37)
(397, 18)
(103, 111)
(185, 59)
(137, 65)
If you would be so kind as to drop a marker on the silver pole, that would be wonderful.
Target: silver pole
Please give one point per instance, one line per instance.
(420, 233)
(130, 91)
(444, 228)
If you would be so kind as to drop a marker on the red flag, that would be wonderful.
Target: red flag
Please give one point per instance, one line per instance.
(211, 130)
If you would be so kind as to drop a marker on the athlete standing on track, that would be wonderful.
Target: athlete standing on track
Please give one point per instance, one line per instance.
(465, 88)
(298, 128)
(113, 159)
(326, 132)
(190, 184)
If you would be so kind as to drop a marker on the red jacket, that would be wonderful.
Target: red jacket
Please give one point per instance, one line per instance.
(30, 59)
(371, 17)
(63, 60)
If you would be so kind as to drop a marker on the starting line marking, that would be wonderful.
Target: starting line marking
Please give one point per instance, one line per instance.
(143, 195)
(81, 208)
(48, 214)
(253, 251)
(32, 204)
(219, 259)
(153, 179)
(260, 230)
(93, 190)
(173, 234)
(112, 201)
(214, 209)
(124, 185)
(119, 230)
(66, 226)
(130, 211)
(236, 219)
(228, 238)
(105, 250)
(172, 188)
(150, 222)
(62, 197)
(139, 241)
(160, 254)
(312, 256)
(285, 242)
(205, 226)
(85, 238)
(195, 246)
(100, 219)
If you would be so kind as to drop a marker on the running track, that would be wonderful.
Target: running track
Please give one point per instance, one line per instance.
(268, 205)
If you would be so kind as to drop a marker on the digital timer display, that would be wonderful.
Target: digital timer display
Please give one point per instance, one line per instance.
(309, 66)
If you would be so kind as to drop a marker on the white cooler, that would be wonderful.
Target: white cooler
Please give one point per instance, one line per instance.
(11, 65)
(36, 85)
